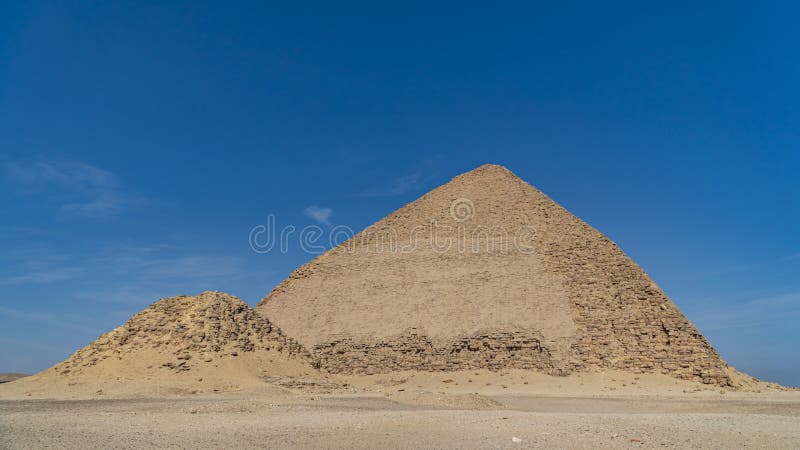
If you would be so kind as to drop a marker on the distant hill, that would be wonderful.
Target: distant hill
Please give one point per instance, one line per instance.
(8, 377)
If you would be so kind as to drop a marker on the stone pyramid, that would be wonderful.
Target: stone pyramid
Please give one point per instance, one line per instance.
(486, 272)
(182, 334)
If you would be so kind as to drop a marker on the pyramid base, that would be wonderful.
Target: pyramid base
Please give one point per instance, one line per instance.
(501, 350)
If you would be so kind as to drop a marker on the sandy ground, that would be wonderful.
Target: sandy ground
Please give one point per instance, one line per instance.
(430, 410)
(358, 421)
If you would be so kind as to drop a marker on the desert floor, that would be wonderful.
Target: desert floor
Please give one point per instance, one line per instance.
(272, 419)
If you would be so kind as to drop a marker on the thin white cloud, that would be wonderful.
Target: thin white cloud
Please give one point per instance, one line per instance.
(141, 280)
(43, 276)
(321, 215)
(105, 204)
(151, 262)
(34, 263)
(405, 183)
(64, 321)
(72, 174)
(123, 273)
(755, 265)
(399, 186)
(420, 178)
(15, 231)
(756, 313)
(83, 189)
(193, 267)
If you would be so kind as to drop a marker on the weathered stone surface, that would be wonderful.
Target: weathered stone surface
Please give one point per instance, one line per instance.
(186, 330)
(411, 351)
(523, 284)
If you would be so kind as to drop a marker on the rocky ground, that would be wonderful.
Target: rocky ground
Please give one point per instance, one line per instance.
(467, 409)
(374, 421)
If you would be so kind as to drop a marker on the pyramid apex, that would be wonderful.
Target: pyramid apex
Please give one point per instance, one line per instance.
(200, 300)
(488, 170)
(492, 167)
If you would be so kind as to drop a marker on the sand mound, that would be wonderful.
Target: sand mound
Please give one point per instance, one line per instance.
(486, 272)
(178, 345)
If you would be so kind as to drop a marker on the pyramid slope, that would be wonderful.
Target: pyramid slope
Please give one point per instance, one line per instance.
(182, 342)
(522, 284)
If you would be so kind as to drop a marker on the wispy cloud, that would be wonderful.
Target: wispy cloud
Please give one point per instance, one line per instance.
(753, 265)
(399, 186)
(68, 322)
(420, 178)
(83, 189)
(321, 215)
(183, 267)
(755, 313)
(123, 272)
(136, 275)
(136, 283)
(33, 263)
(43, 276)
(16, 231)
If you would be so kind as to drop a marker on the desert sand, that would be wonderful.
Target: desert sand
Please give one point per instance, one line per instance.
(516, 409)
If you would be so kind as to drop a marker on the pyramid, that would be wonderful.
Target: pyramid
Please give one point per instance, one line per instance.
(486, 272)
(185, 335)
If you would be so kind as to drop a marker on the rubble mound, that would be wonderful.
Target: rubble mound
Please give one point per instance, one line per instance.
(181, 333)
(487, 272)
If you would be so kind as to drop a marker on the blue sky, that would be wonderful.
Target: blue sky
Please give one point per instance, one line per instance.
(140, 143)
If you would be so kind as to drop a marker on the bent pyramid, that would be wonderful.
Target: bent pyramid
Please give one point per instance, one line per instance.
(486, 272)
